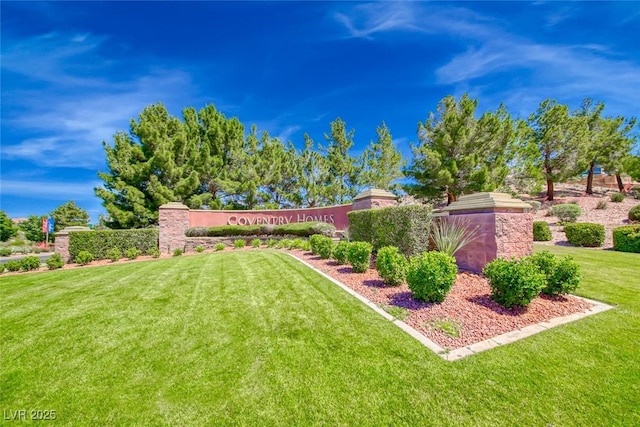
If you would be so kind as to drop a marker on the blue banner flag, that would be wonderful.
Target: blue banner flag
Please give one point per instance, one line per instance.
(51, 225)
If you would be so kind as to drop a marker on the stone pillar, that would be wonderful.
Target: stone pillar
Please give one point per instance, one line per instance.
(505, 228)
(62, 241)
(374, 198)
(173, 220)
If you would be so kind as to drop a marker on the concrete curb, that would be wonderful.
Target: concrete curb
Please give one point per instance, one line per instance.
(488, 344)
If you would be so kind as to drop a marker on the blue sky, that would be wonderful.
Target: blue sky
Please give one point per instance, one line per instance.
(74, 73)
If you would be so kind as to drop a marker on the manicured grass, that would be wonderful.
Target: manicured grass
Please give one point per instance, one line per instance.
(255, 338)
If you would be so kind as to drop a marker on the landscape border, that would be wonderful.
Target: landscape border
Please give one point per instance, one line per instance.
(488, 344)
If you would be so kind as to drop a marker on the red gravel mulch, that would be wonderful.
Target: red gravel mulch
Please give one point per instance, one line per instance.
(468, 304)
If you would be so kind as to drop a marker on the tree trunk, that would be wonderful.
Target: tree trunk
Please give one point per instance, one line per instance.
(549, 189)
(590, 178)
(450, 198)
(620, 184)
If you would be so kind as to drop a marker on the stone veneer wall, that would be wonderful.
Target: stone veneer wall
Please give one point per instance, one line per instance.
(173, 220)
(505, 228)
(373, 199)
(61, 244)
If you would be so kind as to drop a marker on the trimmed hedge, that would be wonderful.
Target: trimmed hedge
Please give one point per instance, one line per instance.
(585, 234)
(99, 242)
(340, 252)
(300, 229)
(563, 275)
(541, 231)
(405, 227)
(359, 256)
(627, 238)
(391, 265)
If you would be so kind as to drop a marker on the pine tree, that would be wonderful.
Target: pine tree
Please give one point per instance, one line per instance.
(382, 162)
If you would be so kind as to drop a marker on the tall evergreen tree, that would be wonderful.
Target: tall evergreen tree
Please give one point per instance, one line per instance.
(314, 175)
(382, 162)
(458, 153)
(69, 214)
(558, 141)
(7, 228)
(343, 168)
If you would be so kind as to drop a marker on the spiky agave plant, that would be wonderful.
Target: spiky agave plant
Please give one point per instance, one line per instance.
(450, 234)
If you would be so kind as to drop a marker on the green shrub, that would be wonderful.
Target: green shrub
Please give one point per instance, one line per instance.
(220, 246)
(154, 252)
(514, 283)
(199, 248)
(541, 231)
(271, 243)
(634, 213)
(239, 243)
(602, 204)
(17, 242)
(567, 212)
(562, 275)
(132, 253)
(325, 247)
(84, 257)
(5, 251)
(54, 262)
(13, 265)
(431, 275)
(114, 254)
(391, 265)
(299, 244)
(585, 234)
(284, 244)
(535, 205)
(617, 197)
(197, 232)
(314, 241)
(359, 256)
(30, 263)
(301, 229)
(405, 227)
(177, 252)
(99, 242)
(255, 243)
(340, 252)
(450, 234)
(627, 238)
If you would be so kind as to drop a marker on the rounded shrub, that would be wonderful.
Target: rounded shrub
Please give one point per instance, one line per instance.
(13, 265)
(30, 263)
(340, 252)
(255, 243)
(114, 254)
(359, 256)
(219, 246)
(585, 234)
(634, 213)
(300, 244)
(627, 238)
(325, 247)
(391, 265)
(132, 253)
(54, 262)
(5, 251)
(199, 248)
(313, 241)
(562, 275)
(617, 197)
(284, 244)
(514, 283)
(430, 275)
(84, 257)
(239, 243)
(154, 252)
(566, 212)
(541, 231)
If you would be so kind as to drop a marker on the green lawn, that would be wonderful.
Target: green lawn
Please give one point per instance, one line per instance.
(256, 338)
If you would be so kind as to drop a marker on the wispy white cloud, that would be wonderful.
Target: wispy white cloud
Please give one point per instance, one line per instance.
(500, 64)
(69, 120)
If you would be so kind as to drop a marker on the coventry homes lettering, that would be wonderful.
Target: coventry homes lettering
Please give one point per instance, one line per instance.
(278, 220)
